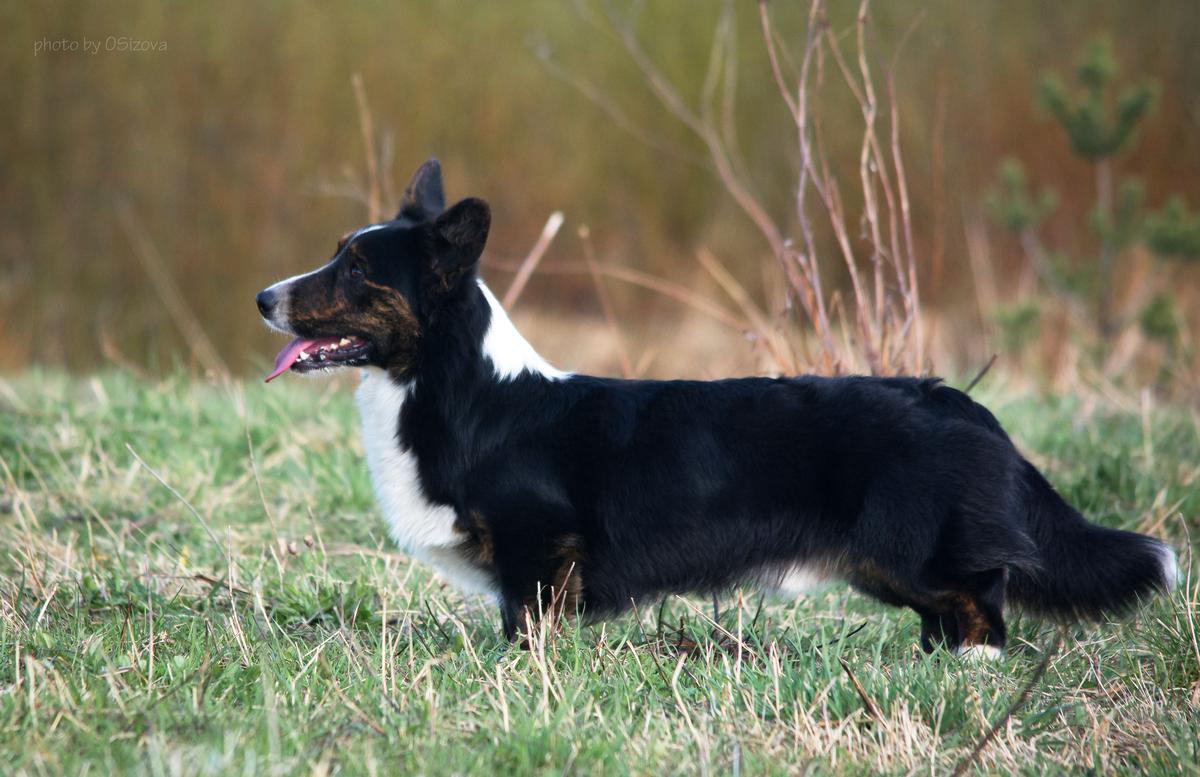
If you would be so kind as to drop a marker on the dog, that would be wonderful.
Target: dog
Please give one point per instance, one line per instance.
(562, 493)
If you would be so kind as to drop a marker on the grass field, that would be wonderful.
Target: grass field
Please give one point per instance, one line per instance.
(194, 580)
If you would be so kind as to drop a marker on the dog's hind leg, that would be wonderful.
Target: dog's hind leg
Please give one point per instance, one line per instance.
(939, 626)
(979, 612)
(510, 614)
(967, 619)
(936, 628)
(965, 616)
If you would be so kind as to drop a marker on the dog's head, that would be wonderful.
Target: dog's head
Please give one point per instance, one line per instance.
(370, 303)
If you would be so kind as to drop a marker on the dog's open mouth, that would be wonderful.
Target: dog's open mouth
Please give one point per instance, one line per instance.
(308, 355)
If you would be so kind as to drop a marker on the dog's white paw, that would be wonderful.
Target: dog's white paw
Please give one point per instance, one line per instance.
(979, 653)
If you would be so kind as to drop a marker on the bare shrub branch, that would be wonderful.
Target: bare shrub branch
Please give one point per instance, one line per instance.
(880, 330)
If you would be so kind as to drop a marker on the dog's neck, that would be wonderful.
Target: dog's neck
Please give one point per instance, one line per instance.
(479, 342)
(471, 344)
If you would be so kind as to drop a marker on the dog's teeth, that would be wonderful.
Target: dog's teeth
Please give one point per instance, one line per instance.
(321, 355)
(344, 341)
(303, 355)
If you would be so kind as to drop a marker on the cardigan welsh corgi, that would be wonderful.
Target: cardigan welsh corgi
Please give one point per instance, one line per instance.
(552, 491)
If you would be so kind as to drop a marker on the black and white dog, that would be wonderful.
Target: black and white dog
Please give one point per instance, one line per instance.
(553, 491)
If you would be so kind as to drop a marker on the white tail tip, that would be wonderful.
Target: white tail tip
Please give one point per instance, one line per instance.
(1170, 567)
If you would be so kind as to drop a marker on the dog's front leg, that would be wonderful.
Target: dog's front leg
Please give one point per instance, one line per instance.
(539, 559)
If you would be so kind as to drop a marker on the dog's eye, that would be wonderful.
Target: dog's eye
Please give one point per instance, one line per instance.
(356, 272)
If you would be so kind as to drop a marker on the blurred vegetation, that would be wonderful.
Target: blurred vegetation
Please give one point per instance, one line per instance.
(1099, 123)
(1095, 129)
(228, 151)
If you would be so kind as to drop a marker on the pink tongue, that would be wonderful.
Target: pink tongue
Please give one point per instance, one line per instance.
(287, 357)
(291, 352)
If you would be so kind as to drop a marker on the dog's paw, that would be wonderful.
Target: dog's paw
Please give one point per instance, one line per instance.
(979, 653)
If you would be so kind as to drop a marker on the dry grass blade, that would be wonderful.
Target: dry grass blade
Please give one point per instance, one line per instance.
(610, 317)
(869, 705)
(670, 289)
(1018, 702)
(532, 259)
(767, 334)
(203, 523)
(674, 291)
(173, 300)
(367, 126)
(357, 711)
(979, 375)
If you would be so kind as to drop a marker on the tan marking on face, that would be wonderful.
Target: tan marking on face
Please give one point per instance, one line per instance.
(390, 313)
(304, 313)
(385, 317)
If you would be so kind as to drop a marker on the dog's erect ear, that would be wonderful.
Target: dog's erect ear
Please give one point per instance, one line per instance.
(423, 198)
(459, 235)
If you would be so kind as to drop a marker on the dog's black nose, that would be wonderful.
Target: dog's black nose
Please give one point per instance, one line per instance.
(266, 302)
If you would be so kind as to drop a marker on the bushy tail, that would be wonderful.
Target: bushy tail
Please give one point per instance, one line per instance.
(1086, 570)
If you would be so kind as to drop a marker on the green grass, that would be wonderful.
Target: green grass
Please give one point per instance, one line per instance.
(246, 614)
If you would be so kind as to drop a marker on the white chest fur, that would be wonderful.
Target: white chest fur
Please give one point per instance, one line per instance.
(424, 529)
